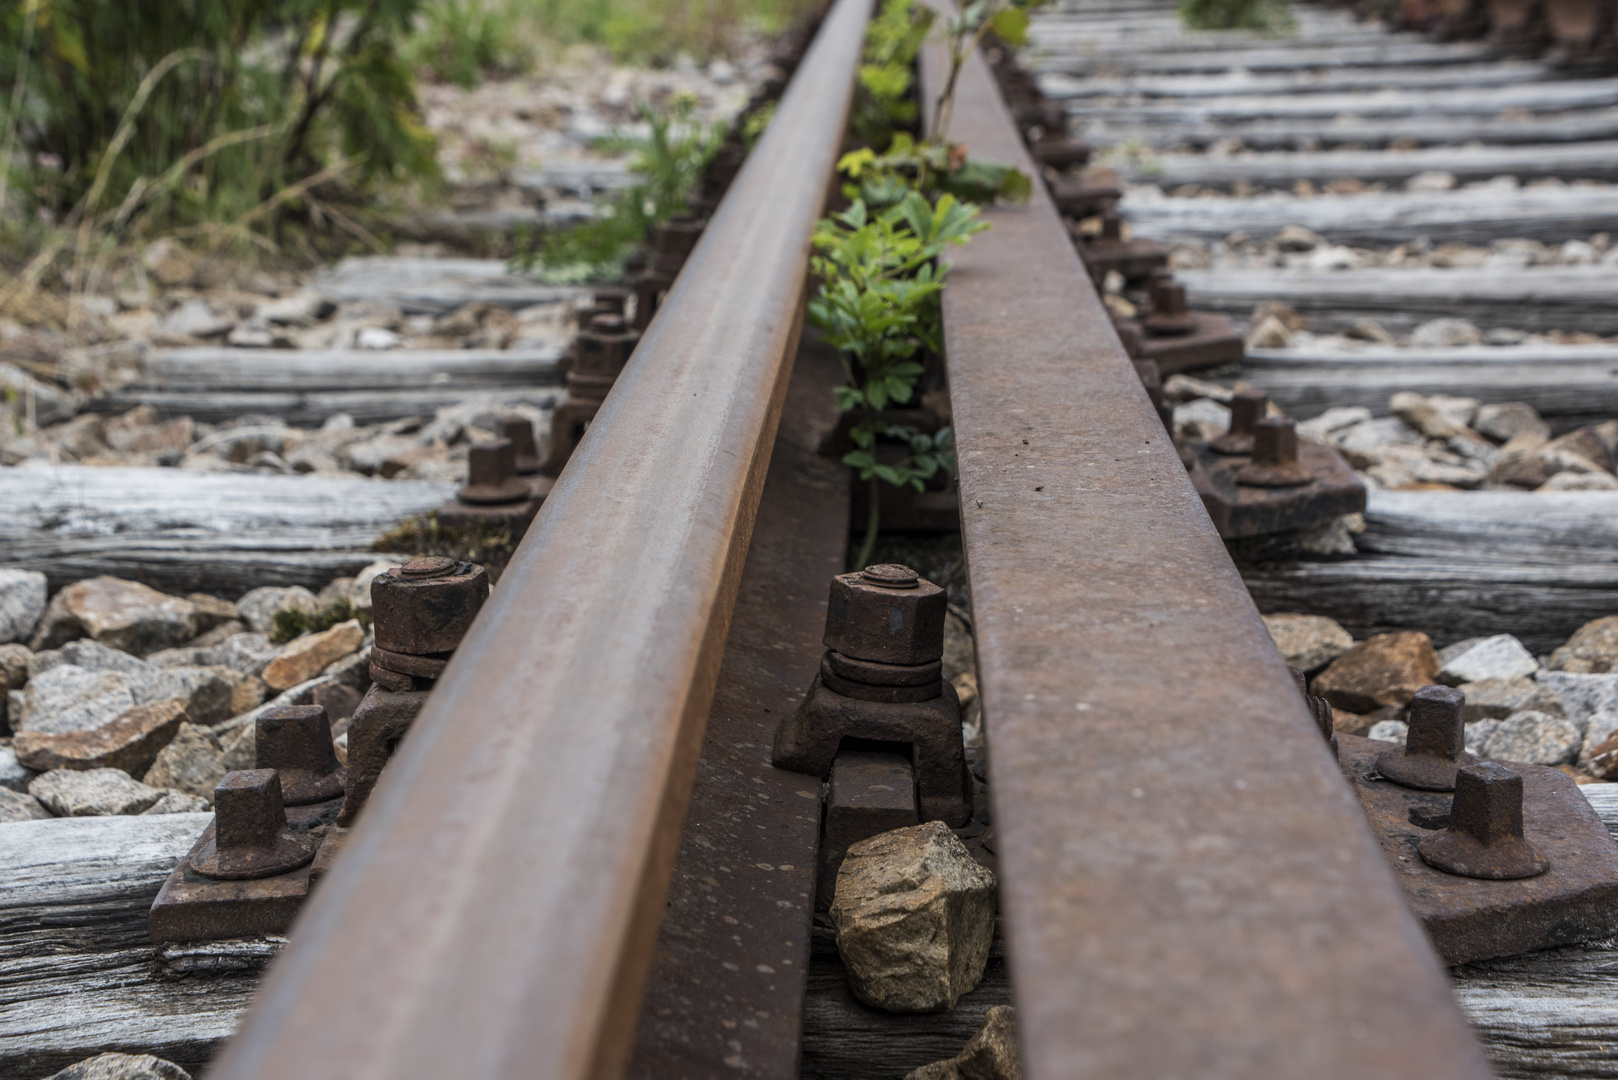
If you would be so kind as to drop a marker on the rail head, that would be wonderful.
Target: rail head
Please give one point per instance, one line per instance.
(1188, 886)
(493, 912)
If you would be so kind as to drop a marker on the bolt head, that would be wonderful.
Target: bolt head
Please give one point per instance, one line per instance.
(886, 623)
(427, 616)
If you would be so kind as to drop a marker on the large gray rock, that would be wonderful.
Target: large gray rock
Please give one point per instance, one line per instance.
(914, 915)
(1496, 699)
(129, 743)
(63, 695)
(177, 802)
(92, 793)
(1500, 657)
(122, 1067)
(20, 806)
(257, 609)
(1504, 421)
(1308, 642)
(22, 603)
(123, 614)
(70, 698)
(1600, 728)
(1531, 737)
(1582, 696)
(193, 762)
(1593, 649)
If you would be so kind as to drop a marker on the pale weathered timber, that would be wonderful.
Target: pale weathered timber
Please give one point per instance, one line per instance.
(1465, 216)
(1537, 299)
(1329, 81)
(1580, 126)
(1441, 103)
(78, 974)
(225, 369)
(182, 531)
(1574, 161)
(307, 387)
(313, 410)
(1570, 385)
(1461, 564)
(419, 286)
(1260, 57)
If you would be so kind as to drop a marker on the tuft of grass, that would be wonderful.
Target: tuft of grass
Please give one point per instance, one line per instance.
(1266, 16)
(464, 41)
(490, 545)
(292, 623)
(658, 31)
(669, 160)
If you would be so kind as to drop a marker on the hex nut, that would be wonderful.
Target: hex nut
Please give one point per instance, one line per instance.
(427, 615)
(884, 624)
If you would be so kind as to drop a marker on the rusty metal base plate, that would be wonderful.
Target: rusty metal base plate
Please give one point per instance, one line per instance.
(1238, 510)
(191, 907)
(1134, 259)
(1471, 919)
(1214, 342)
(516, 516)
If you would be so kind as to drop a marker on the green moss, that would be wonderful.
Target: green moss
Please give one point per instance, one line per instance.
(1269, 16)
(488, 545)
(295, 622)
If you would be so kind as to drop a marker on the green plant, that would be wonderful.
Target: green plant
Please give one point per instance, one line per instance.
(669, 160)
(289, 623)
(459, 41)
(657, 31)
(964, 32)
(877, 305)
(1267, 16)
(933, 169)
(226, 118)
(886, 102)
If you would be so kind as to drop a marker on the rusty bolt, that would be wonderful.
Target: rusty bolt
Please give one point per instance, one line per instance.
(1319, 709)
(1112, 228)
(605, 347)
(1434, 746)
(1247, 408)
(296, 743)
(492, 475)
(1275, 461)
(520, 430)
(426, 614)
(1170, 315)
(251, 838)
(673, 241)
(1485, 835)
(887, 614)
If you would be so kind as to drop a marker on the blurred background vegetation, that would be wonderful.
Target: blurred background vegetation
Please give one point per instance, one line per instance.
(237, 122)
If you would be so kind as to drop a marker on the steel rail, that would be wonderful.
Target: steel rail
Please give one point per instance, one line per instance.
(1188, 886)
(494, 911)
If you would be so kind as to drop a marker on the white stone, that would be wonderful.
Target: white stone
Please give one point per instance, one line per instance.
(13, 774)
(1499, 657)
(1534, 738)
(1393, 731)
(1443, 333)
(1201, 419)
(1336, 419)
(92, 792)
(22, 603)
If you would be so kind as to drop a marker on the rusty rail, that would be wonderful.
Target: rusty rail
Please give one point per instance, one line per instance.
(494, 911)
(1188, 886)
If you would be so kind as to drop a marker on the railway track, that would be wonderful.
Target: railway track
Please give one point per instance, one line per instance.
(583, 862)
